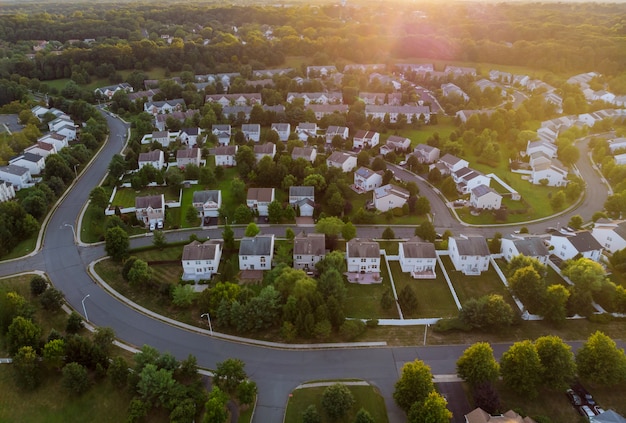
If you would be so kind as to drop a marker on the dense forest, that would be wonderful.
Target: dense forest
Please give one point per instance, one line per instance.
(563, 38)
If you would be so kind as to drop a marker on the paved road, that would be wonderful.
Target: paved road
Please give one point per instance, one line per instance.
(277, 372)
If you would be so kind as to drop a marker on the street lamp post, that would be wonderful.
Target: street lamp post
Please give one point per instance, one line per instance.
(75, 173)
(73, 230)
(84, 309)
(425, 332)
(208, 317)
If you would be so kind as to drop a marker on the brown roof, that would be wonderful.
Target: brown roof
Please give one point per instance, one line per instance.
(45, 146)
(188, 153)
(363, 248)
(225, 150)
(260, 194)
(309, 244)
(154, 201)
(201, 251)
(416, 248)
(150, 156)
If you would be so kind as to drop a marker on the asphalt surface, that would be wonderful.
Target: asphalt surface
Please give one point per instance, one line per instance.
(277, 372)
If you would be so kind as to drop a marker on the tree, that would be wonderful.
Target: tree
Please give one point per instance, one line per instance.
(521, 368)
(432, 410)
(601, 361)
(477, 364)
(555, 304)
(337, 400)
(587, 275)
(274, 212)
(448, 187)
(349, 231)
(363, 416)
(558, 200)
(527, 285)
(51, 299)
(229, 374)
(407, 299)
(74, 323)
(487, 398)
(155, 385)
(191, 216)
(229, 238)
(183, 295)
(53, 353)
(520, 261)
(422, 206)
(330, 284)
(576, 222)
(252, 230)
(388, 233)
(140, 274)
(557, 361)
(426, 231)
(38, 284)
(246, 391)
(414, 385)
(116, 243)
(21, 333)
(488, 312)
(26, 368)
(75, 378)
(159, 240)
(311, 415)
(98, 197)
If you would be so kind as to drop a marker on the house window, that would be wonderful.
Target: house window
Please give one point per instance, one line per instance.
(262, 259)
(197, 261)
(363, 260)
(299, 257)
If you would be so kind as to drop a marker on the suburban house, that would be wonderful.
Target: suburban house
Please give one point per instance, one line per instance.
(207, 203)
(478, 415)
(484, 197)
(307, 153)
(363, 256)
(459, 70)
(344, 161)
(546, 170)
(411, 113)
(308, 250)
(617, 144)
(322, 110)
(320, 71)
(394, 99)
(155, 158)
(31, 161)
(160, 120)
(316, 98)
(164, 107)
(110, 90)
(451, 89)
(259, 198)
(467, 179)
(18, 176)
(63, 126)
(395, 143)
(189, 136)
(247, 99)
(7, 191)
(201, 259)
(305, 130)
(282, 129)
(366, 179)
(223, 133)
(303, 198)
(252, 131)
(188, 156)
(365, 139)
(418, 258)
(59, 141)
(469, 254)
(150, 209)
(526, 245)
(334, 131)
(390, 197)
(261, 150)
(611, 234)
(545, 147)
(41, 148)
(161, 137)
(569, 245)
(225, 155)
(453, 163)
(256, 253)
(426, 153)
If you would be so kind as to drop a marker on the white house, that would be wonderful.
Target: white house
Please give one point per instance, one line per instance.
(449, 89)
(43, 149)
(302, 198)
(223, 133)
(307, 153)
(110, 90)
(252, 131)
(201, 260)
(389, 197)
(411, 113)
(256, 253)
(467, 179)
(617, 144)
(155, 158)
(18, 176)
(282, 129)
(545, 147)
(207, 203)
(363, 256)
(316, 98)
(334, 131)
(526, 245)
(550, 172)
(63, 126)
(7, 191)
(161, 137)
(59, 141)
(320, 71)
(150, 209)
(620, 159)
(225, 155)
(322, 110)
(426, 153)
(365, 139)
(366, 179)
(259, 198)
(247, 99)
(344, 161)
(164, 107)
(453, 163)
(305, 130)
(189, 136)
(188, 156)
(261, 150)
(469, 254)
(31, 161)
(395, 143)
(418, 258)
(569, 245)
(611, 234)
(308, 250)
(484, 197)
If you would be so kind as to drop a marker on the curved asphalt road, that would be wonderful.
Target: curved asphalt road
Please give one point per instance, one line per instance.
(277, 372)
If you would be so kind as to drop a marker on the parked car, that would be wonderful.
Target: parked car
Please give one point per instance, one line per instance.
(152, 226)
(573, 397)
(584, 394)
(599, 410)
(160, 224)
(586, 411)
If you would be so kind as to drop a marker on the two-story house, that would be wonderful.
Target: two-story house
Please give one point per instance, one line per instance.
(363, 256)
(207, 203)
(426, 153)
(258, 199)
(366, 180)
(483, 197)
(150, 209)
(256, 253)
(303, 199)
(282, 129)
(18, 176)
(223, 133)
(467, 179)
(389, 197)
(611, 234)
(308, 250)
(252, 131)
(344, 161)
(59, 141)
(307, 153)
(526, 245)
(155, 158)
(336, 131)
(304, 130)
(188, 156)
(395, 143)
(31, 161)
(365, 139)
(41, 148)
(453, 163)
(164, 107)
(189, 136)
(225, 155)
(418, 258)
(469, 254)
(201, 259)
(569, 245)
(262, 150)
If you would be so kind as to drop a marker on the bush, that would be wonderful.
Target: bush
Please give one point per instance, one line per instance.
(74, 323)
(51, 299)
(75, 378)
(350, 329)
(38, 285)
(337, 400)
(601, 318)
(454, 323)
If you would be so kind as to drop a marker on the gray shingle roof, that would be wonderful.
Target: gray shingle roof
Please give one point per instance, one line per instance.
(154, 201)
(260, 245)
(201, 251)
(204, 196)
(301, 191)
(531, 247)
(472, 245)
(364, 248)
(309, 244)
(416, 248)
(584, 241)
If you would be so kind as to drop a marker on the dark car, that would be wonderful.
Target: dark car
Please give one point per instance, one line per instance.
(573, 398)
(586, 397)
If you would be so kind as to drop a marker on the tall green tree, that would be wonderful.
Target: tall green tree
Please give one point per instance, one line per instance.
(478, 365)
(252, 230)
(601, 361)
(229, 374)
(116, 243)
(527, 285)
(521, 368)
(557, 361)
(75, 378)
(22, 333)
(414, 385)
(555, 304)
(432, 410)
(26, 369)
(337, 401)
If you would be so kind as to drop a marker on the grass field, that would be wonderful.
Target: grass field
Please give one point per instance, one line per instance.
(433, 295)
(444, 128)
(366, 397)
(186, 204)
(363, 301)
(125, 197)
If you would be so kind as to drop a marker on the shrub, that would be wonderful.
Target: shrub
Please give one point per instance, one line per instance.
(350, 329)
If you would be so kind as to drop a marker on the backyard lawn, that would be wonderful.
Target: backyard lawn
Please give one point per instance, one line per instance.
(363, 301)
(125, 197)
(366, 397)
(433, 295)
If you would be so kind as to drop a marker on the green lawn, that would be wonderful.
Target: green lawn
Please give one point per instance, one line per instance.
(433, 295)
(366, 397)
(444, 128)
(125, 197)
(363, 301)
